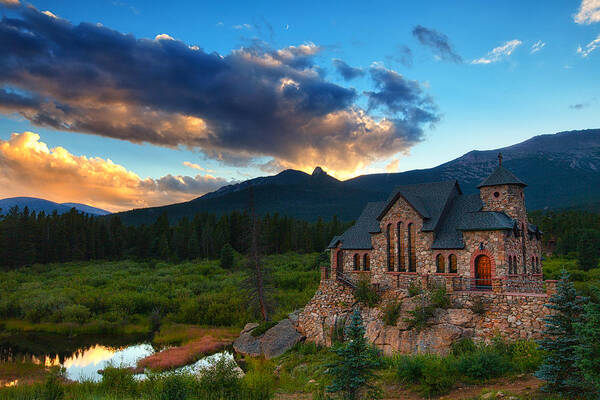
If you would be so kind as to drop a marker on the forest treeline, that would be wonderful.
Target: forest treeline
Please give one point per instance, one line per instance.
(28, 237)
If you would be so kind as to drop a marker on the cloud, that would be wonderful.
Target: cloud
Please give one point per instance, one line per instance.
(346, 71)
(393, 166)
(589, 48)
(238, 108)
(579, 106)
(242, 26)
(403, 56)
(10, 3)
(499, 53)
(438, 42)
(589, 12)
(30, 168)
(192, 165)
(537, 46)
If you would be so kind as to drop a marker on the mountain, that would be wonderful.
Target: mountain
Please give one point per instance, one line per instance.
(38, 205)
(562, 171)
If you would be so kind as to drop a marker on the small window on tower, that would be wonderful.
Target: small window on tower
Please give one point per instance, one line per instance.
(496, 194)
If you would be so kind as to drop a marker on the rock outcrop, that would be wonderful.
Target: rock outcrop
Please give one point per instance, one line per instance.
(273, 343)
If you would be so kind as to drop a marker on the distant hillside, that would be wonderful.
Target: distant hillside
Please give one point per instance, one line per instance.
(562, 171)
(38, 205)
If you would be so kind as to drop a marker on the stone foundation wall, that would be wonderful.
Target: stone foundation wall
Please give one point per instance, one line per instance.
(512, 316)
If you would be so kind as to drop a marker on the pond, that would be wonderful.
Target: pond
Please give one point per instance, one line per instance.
(83, 358)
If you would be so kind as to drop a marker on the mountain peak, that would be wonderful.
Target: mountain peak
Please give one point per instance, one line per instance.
(318, 171)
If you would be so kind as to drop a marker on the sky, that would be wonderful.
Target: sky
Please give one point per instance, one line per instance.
(127, 104)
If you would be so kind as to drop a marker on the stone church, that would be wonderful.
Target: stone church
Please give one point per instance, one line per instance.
(434, 229)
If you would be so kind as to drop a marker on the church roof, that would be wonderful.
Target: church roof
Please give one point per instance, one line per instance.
(358, 236)
(445, 211)
(501, 176)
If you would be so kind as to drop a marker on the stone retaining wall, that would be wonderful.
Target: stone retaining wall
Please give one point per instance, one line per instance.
(512, 316)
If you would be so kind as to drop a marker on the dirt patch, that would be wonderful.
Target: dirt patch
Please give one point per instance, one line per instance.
(188, 353)
(19, 373)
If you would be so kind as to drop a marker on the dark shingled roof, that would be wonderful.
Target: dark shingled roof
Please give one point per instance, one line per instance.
(445, 211)
(428, 199)
(501, 176)
(358, 236)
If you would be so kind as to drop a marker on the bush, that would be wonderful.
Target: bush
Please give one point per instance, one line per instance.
(410, 368)
(53, 389)
(176, 386)
(438, 376)
(479, 306)
(76, 313)
(118, 381)
(439, 298)
(463, 346)
(226, 260)
(414, 289)
(420, 317)
(483, 365)
(365, 293)
(262, 328)
(391, 312)
(526, 356)
(220, 376)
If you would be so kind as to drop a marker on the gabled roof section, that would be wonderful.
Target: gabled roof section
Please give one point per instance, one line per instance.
(465, 215)
(428, 199)
(358, 236)
(501, 176)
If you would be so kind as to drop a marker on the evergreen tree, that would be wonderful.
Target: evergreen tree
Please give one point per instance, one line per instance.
(588, 349)
(353, 373)
(560, 367)
(226, 260)
(588, 249)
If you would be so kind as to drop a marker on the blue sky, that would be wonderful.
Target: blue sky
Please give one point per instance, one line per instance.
(508, 96)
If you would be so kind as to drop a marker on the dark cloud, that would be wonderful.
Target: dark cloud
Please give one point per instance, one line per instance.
(346, 71)
(251, 103)
(438, 42)
(399, 96)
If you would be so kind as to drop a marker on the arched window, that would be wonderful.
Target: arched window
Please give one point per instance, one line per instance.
(339, 262)
(412, 256)
(356, 262)
(510, 265)
(525, 267)
(440, 264)
(390, 253)
(366, 265)
(533, 270)
(537, 265)
(452, 264)
(401, 261)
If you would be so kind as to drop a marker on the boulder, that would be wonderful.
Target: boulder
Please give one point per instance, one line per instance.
(246, 344)
(272, 343)
(279, 339)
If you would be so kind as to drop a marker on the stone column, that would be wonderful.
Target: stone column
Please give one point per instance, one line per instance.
(449, 284)
(497, 285)
(551, 287)
(424, 281)
(324, 272)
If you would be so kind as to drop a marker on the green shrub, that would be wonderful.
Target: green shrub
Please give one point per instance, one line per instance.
(365, 293)
(420, 317)
(391, 312)
(262, 328)
(337, 334)
(176, 386)
(483, 365)
(76, 313)
(220, 376)
(118, 381)
(53, 388)
(526, 356)
(438, 376)
(439, 298)
(307, 348)
(479, 306)
(463, 346)
(414, 289)
(410, 368)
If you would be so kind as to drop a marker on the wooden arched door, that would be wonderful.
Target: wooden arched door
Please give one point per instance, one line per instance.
(483, 272)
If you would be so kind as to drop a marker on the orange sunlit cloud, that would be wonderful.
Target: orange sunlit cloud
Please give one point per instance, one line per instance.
(29, 168)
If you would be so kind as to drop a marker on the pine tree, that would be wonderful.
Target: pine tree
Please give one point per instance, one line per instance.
(353, 373)
(588, 249)
(560, 341)
(226, 260)
(588, 349)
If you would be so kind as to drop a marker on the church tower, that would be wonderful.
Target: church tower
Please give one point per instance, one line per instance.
(504, 192)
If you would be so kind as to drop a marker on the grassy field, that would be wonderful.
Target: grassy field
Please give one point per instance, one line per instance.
(127, 297)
